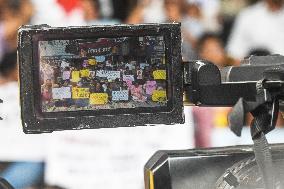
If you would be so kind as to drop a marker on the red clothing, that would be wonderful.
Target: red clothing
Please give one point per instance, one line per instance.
(203, 118)
(137, 93)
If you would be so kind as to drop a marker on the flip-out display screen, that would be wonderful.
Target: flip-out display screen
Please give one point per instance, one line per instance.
(100, 76)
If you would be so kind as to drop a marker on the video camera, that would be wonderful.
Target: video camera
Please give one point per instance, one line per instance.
(133, 75)
(126, 75)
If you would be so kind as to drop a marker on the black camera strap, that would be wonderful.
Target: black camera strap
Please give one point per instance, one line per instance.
(259, 126)
(263, 159)
(265, 112)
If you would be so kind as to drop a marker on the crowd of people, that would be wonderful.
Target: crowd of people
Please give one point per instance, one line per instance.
(221, 31)
(108, 73)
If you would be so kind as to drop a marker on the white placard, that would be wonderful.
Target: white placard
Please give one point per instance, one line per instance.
(110, 75)
(120, 95)
(66, 75)
(100, 58)
(61, 93)
(15, 145)
(128, 78)
(130, 66)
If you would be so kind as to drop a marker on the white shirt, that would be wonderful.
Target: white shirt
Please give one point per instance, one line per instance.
(110, 158)
(257, 27)
(14, 144)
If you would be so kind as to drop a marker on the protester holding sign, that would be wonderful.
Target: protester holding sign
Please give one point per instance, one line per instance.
(150, 86)
(46, 90)
(139, 73)
(66, 74)
(137, 92)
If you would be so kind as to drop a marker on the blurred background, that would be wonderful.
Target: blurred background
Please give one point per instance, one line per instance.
(221, 31)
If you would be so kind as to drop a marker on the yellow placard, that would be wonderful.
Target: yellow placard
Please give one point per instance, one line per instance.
(85, 73)
(75, 76)
(160, 74)
(98, 98)
(92, 62)
(79, 93)
(159, 96)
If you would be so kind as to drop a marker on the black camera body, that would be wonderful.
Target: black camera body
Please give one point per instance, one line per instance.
(100, 76)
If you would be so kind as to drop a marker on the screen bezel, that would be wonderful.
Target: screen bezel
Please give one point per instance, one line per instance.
(35, 122)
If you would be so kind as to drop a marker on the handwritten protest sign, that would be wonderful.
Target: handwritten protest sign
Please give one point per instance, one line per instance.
(159, 96)
(92, 62)
(98, 98)
(85, 73)
(128, 77)
(120, 95)
(110, 75)
(80, 93)
(61, 93)
(160, 74)
(99, 51)
(75, 76)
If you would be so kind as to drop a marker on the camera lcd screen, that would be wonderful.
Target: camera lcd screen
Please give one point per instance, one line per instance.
(102, 73)
(93, 77)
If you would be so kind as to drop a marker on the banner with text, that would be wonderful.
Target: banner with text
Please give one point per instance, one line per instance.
(159, 96)
(80, 93)
(61, 93)
(160, 74)
(98, 98)
(110, 75)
